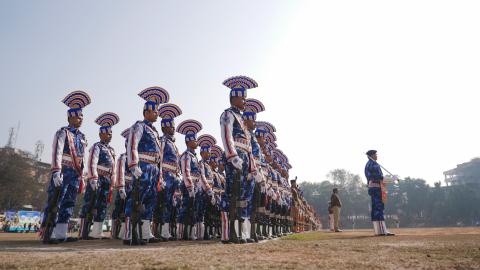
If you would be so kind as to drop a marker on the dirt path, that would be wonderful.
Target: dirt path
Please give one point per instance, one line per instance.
(437, 248)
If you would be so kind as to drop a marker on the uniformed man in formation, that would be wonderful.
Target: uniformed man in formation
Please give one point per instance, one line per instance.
(68, 153)
(239, 193)
(123, 187)
(169, 171)
(101, 177)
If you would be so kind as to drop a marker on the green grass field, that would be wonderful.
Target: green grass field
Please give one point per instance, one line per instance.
(435, 248)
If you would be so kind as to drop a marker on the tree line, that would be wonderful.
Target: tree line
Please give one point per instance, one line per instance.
(22, 180)
(411, 202)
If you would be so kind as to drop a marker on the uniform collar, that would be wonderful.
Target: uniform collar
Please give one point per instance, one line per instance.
(235, 109)
(72, 129)
(170, 138)
(148, 123)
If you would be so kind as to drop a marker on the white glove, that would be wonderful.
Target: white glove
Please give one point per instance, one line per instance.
(213, 201)
(57, 179)
(136, 171)
(258, 177)
(163, 184)
(122, 193)
(237, 163)
(263, 188)
(191, 192)
(94, 184)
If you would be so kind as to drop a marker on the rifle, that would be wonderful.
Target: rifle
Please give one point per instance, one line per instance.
(49, 222)
(91, 212)
(212, 216)
(273, 219)
(235, 209)
(261, 230)
(158, 214)
(137, 210)
(120, 217)
(255, 216)
(187, 231)
(216, 216)
(284, 220)
(386, 179)
(398, 180)
(173, 215)
(208, 221)
(173, 223)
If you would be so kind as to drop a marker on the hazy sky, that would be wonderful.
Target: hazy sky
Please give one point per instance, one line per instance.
(337, 77)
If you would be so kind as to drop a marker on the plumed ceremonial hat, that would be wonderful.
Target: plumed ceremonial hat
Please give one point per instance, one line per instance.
(252, 107)
(76, 101)
(168, 112)
(206, 141)
(154, 96)
(239, 84)
(189, 128)
(106, 121)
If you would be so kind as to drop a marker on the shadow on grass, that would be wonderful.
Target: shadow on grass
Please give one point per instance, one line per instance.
(92, 245)
(315, 236)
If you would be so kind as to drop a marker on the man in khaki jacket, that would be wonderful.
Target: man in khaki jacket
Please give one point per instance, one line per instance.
(336, 206)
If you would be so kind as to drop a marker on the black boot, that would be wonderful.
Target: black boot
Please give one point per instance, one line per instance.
(134, 242)
(265, 231)
(67, 240)
(233, 233)
(153, 240)
(253, 232)
(241, 240)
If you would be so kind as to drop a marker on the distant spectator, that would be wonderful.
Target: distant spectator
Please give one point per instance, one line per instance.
(29, 227)
(336, 206)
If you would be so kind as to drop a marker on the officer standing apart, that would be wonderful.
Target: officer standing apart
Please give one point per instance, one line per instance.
(377, 192)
